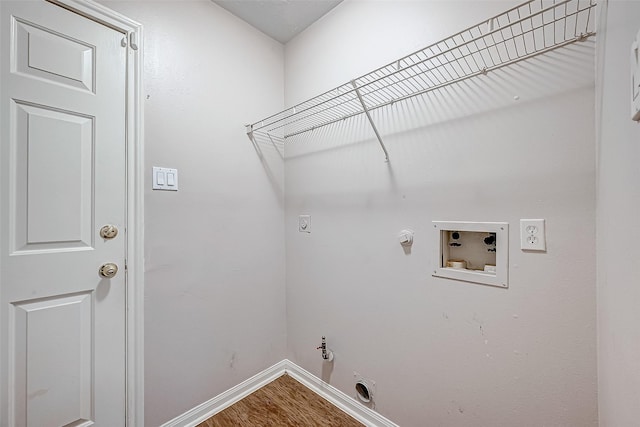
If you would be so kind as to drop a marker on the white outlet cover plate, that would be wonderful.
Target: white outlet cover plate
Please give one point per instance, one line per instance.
(532, 235)
(304, 223)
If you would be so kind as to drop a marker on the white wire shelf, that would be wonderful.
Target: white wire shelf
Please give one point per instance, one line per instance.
(527, 30)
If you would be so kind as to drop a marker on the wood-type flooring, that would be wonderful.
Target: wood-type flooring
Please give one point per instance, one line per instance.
(282, 403)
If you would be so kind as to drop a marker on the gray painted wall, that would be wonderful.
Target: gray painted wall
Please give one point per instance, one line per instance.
(214, 295)
(618, 231)
(454, 353)
(444, 352)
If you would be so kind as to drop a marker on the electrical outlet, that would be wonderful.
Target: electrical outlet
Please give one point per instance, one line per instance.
(532, 235)
(304, 223)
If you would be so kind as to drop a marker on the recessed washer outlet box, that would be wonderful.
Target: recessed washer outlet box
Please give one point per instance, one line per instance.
(475, 252)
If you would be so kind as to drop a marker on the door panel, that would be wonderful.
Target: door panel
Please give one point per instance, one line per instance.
(62, 163)
(72, 65)
(54, 152)
(55, 397)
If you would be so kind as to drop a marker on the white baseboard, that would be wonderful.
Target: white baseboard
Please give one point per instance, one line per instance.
(346, 403)
(343, 401)
(206, 410)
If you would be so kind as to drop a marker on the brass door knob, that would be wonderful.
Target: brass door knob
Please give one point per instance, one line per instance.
(108, 231)
(108, 270)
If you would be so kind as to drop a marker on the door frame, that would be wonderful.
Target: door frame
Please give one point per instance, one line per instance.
(133, 36)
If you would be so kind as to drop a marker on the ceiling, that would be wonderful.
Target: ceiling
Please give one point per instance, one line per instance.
(281, 20)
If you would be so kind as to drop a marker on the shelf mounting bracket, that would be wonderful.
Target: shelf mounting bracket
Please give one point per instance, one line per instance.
(373, 125)
(252, 138)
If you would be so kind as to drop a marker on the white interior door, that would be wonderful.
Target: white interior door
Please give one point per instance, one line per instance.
(62, 178)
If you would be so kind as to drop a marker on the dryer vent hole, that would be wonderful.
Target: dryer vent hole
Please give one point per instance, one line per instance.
(363, 391)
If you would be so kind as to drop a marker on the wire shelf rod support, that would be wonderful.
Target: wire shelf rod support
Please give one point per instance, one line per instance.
(371, 122)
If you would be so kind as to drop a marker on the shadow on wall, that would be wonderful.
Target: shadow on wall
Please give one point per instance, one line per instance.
(270, 150)
(556, 72)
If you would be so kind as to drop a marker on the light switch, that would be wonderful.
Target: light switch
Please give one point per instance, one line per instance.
(165, 179)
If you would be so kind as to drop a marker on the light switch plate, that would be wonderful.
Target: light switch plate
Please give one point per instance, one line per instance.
(532, 235)
(165, 179)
